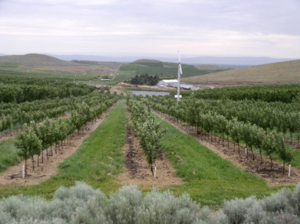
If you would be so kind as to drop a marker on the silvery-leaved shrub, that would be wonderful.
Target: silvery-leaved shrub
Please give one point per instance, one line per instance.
(283, 218)
(122, 205)
(220, 218)
(296, 197)
(236, 209)
(281, 201)
(163, 207)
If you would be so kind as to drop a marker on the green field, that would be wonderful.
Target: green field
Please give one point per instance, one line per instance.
(208, 178)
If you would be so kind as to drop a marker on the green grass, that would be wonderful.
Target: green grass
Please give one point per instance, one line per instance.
(99, 156)
(208, 178)
(9, 154)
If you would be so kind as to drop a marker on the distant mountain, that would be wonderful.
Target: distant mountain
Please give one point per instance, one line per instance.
(280, 72)
(209, 67)
(224, 61)
(33, 59)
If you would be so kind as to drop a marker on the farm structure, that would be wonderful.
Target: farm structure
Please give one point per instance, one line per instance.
(174, 82)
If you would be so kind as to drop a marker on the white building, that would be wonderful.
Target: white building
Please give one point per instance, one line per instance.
(168, 83)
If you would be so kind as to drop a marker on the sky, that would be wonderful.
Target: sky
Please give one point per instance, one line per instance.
(257, 28)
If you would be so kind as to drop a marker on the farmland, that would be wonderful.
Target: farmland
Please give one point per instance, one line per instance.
(215, 145)
(46, 67)
(152, 67)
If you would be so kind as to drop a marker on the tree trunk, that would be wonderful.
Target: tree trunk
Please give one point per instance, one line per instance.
(42, 155)
(271, 163)
(252, 153)
(32, 162)
(151, 168)
(25, 167)
(228, 141)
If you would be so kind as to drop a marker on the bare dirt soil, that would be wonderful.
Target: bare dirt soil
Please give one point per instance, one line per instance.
(137, 170)
(273, 177)
(13, 175)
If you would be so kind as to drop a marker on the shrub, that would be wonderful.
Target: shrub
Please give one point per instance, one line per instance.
(82, 204)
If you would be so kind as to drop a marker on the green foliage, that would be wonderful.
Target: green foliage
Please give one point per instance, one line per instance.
(16, 89)
(246, 122)
(146, 129)
(145, 79)
(271, 93)
(29, 144)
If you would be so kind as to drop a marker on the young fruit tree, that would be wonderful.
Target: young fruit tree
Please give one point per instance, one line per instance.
(29, 145)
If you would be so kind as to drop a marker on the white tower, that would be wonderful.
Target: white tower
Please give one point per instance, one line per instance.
(178, 96)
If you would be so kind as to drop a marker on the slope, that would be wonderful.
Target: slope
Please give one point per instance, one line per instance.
(281, 72)
(32, 59)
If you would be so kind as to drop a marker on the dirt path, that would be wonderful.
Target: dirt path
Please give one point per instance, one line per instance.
(137, 170)
(273, 177)
(13, 175)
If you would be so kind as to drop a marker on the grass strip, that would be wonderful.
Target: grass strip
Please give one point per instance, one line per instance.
(95, 162)
(9, 154)
(208, 178)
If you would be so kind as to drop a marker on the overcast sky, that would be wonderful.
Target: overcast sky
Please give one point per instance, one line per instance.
(130, 27)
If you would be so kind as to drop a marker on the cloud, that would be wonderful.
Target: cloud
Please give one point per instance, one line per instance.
(199, 26)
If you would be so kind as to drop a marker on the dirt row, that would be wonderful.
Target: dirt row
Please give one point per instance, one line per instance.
(229, 151)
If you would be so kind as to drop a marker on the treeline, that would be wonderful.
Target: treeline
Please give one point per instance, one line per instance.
(145, 79)
(26, 89)
(85, 62)
(82, 204)
(269, 93)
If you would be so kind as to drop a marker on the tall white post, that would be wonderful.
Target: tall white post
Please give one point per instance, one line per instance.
(178, 96)
(289, 170)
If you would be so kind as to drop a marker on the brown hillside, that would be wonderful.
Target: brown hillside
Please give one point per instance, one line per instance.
(281, 72)
(33, 59)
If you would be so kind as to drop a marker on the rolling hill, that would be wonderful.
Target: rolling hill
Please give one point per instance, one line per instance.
(32, 59)
(280, 72)
(44, 66)
(165, 70)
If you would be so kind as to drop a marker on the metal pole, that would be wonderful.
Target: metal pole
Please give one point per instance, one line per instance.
(178, 85)
(179, 74)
